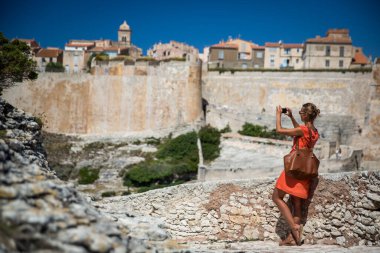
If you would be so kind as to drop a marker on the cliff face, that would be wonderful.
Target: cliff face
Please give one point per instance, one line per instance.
(40, 212)
(141, 99)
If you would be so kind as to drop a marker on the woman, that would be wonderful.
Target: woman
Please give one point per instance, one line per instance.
(297, 189)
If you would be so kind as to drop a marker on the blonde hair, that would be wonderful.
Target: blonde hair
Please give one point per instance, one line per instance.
(311, 110)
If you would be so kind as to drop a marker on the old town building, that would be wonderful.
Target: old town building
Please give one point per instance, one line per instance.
(281, 55)
(235, 53)
(78, 52)
(46, 55)
(173, 49)
(331, 52)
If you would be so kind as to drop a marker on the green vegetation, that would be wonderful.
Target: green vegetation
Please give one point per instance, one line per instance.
(179, 148)
(88, 175)
(16, 62)
(210, 140)
(95, 146)
(174, 59)
(3, 133)
(146, 58)
(54, 67)
(39, 121)
(175, 162)
(233, 70)
(89, 61)
(108, 194)
(226, 129)
(102, 57)
(260, 131)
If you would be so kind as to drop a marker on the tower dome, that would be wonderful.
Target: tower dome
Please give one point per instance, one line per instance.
(124, 26)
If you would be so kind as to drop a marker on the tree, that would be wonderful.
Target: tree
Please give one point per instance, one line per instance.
(16, 62)
(54, 67)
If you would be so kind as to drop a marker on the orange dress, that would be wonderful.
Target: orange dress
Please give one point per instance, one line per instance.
(292, 186)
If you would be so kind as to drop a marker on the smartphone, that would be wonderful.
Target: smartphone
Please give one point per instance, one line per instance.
(284, 110)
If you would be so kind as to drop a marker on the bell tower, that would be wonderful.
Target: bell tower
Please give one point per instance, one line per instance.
(124, 34)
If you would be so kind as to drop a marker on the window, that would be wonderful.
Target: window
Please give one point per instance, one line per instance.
(259, 54)
(124, 39)
(220, 54)
(341, 51)
(298, 50)
(328, 50)
(297, 60)
(327, 63)
(242, 56)
(341, 63)
(272, 60)
(51, 59)
(244, 66)
(287, 50)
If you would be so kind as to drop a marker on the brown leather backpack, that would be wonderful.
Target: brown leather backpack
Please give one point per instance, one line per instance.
(302, 163)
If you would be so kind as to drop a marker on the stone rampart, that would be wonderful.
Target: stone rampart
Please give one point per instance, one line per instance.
(344, 210)
(124, 99)
(252, 97)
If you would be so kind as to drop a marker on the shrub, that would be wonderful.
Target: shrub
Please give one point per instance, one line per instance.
(210, 140)
(94, 146)
(179, 148)
(226, 129)
(3, 133)
(39, 121)
(146, 58)
(148, 173)
(153, 141)
(54, 67)
(177, 160)
(88, 175)
(174, 59)
(260, 131)
(108, 194)
(102, 57)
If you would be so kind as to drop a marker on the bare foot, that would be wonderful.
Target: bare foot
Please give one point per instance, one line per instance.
(288, 241)
(296, 233)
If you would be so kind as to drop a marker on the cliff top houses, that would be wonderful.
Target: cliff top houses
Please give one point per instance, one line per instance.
(333, 51)
(78, 52)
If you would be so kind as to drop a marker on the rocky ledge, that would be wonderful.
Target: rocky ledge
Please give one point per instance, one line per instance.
(40, 213)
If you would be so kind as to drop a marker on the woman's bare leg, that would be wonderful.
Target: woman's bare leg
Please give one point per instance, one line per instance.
(297, 203)
(277, 198)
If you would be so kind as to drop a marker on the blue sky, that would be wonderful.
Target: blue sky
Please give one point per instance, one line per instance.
(198, 23)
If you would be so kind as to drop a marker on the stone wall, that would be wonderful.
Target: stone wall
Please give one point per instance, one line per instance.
(117, 100)
(344, 210)
(252, 97)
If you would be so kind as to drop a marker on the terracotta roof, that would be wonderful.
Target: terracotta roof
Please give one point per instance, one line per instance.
(270, 44)
(337, 31)
(49, 52)
(359, 57)
(292, 45)
(257, 47)
(225, 45)
(32, 42)
(79, 45)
